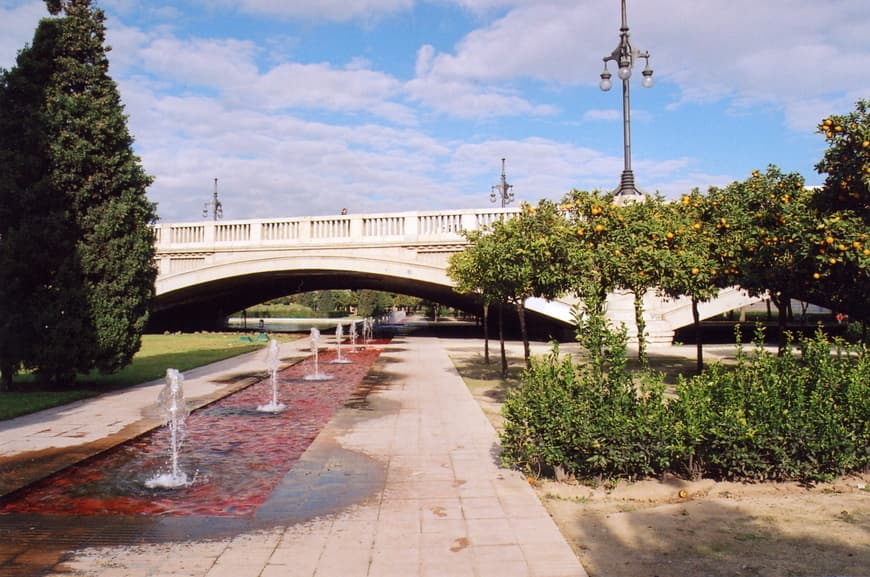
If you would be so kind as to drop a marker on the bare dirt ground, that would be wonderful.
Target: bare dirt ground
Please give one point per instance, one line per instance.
(674, 527)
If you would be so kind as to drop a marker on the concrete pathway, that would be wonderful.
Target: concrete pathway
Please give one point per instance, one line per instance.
(434, 503)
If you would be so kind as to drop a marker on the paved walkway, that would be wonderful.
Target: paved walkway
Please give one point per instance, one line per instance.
(434, 502)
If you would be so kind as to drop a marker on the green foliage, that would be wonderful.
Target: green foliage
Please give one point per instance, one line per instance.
(181, 351)
(74, 218)
(778, 417)
(591, 420)
(846, 163)
(804, 417)
(526, 256)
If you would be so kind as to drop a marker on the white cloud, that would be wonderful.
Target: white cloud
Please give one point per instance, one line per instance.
(598, 114)
(322, 86)
(787, 53)
(469, 100)
(336, 10)
(227, 64)
(292, 138)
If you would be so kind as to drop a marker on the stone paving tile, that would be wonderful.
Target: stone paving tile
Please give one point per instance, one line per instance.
(482, 508)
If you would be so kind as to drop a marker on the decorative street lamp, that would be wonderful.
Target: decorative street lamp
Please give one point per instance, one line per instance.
(215, 206)
(502, 190)
(625, 56)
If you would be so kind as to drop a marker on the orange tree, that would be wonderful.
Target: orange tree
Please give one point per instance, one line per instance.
(519, 258)
(637, 245)
(691, 266)
(760, 236)
(593, 220)
(846, 163)
(468, 270)
(841, 279)
(475, 271)
(534, 257)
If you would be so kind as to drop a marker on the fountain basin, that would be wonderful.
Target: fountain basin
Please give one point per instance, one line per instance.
(233, 455)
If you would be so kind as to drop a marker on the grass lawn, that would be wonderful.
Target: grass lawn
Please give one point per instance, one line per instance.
(158, 352)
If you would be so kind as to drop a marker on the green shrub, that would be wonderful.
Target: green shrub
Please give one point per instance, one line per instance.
(795, 416)
(777, 417)
(592, 420)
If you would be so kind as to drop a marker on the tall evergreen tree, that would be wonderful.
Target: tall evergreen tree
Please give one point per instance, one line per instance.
(74, 196)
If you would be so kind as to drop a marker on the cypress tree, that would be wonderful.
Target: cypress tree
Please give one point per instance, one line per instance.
(73, 201)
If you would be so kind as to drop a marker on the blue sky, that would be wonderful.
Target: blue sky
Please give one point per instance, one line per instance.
(303, 107)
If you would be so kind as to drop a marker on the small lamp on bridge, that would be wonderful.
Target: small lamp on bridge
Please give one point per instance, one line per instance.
(502, 190)
(215, 206)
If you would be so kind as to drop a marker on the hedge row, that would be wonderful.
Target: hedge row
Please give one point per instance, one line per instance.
(803, 415)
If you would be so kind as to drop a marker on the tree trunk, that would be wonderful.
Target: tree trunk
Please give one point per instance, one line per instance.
(5, 376)
(699, 347)
(640, 324)
(521, 312)
(501, 341)
(486, 332)
(782, 307)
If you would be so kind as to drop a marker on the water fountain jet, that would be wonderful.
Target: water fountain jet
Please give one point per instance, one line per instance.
(339, 336)
(353, 335)
(367, 330)
(272, 362)
(171, 401)
(315, 348)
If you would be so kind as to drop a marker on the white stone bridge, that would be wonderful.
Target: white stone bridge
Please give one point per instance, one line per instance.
(210, 269)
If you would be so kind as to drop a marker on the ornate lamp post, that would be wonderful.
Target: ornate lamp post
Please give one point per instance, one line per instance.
(502, 190)
(215, 206)
(625, 56)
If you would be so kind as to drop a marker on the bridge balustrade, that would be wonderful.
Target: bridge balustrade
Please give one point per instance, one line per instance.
(415, 227)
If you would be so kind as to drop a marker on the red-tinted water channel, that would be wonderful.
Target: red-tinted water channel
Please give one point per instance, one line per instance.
(237, 453)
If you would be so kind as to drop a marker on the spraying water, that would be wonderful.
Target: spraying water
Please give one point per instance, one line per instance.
(315, 348)
(171, 401)
(339, 336)
(272, 362)
(368, 329)
(353, 335)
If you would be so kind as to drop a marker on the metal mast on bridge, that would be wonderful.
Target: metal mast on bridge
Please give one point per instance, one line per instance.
(214, 206)
(502, 190)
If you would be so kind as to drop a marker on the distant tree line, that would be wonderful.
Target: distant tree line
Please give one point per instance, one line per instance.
(335, 303)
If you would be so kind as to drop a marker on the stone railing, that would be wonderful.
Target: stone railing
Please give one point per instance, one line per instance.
(356, 229)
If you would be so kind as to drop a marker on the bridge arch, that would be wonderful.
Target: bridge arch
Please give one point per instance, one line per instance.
(208, 270)
(202, 298)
